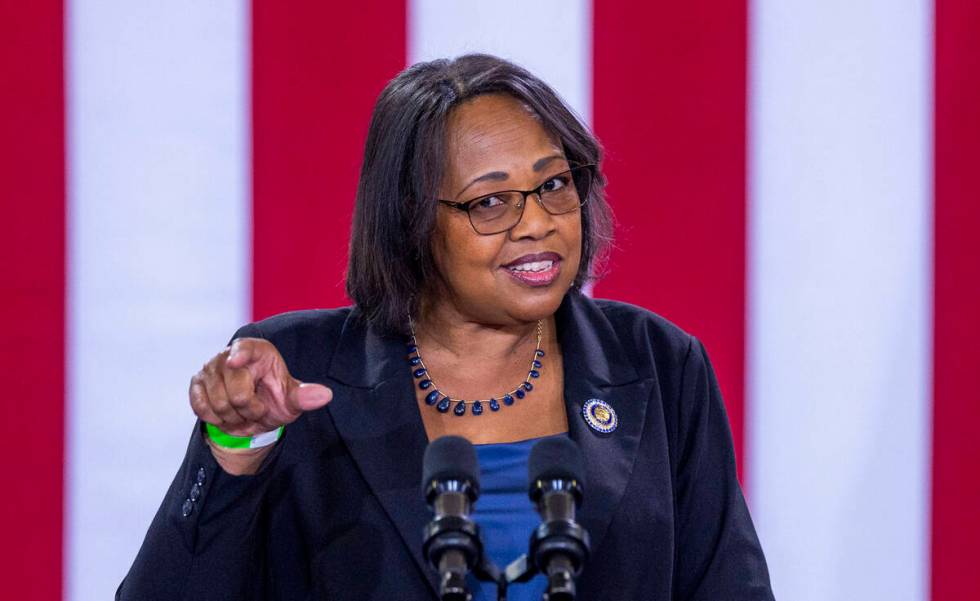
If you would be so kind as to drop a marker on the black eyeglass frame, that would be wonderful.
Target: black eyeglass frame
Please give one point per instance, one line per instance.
(583, 199)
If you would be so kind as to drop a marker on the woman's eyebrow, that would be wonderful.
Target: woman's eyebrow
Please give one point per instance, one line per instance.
(495, 176)
(542, 163)
(499, 176)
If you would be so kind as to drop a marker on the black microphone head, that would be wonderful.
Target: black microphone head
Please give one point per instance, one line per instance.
(450, 458)
(556, 458)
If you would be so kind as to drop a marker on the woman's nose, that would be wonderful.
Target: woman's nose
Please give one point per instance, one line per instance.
(535, 222)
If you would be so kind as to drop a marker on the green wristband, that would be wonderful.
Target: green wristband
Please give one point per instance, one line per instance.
(242, 442)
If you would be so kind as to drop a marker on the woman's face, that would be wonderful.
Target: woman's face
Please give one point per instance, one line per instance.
(520, 275)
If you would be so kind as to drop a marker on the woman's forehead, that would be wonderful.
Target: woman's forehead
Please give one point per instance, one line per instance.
(496, 133)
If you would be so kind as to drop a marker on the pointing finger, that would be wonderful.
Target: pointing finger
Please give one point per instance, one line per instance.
(307, 397)
(246, 351)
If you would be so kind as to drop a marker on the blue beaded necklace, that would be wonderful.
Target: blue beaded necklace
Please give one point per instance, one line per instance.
(432, 398)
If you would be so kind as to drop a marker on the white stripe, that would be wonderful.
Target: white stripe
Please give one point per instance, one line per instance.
(265, 439)
(158, 234)
(551, 38)
(839, 295)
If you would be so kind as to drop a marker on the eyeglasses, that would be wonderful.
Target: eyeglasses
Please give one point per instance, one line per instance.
(500, 211)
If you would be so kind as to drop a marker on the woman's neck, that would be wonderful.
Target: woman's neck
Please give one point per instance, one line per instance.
(470, 359)
(442, 328)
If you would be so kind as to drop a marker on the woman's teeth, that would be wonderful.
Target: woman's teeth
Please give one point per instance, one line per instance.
(535, 266)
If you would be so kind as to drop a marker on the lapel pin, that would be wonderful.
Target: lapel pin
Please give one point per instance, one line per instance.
(600, 416)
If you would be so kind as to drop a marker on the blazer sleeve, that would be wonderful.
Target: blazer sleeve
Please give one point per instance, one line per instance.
(204, 541)
(718, 555)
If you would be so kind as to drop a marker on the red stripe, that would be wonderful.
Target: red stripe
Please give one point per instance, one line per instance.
(669, 106)
(956, 356)
(317, 68)
(32, 276)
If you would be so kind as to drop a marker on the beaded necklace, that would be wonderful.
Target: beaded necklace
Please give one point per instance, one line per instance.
(421, 373)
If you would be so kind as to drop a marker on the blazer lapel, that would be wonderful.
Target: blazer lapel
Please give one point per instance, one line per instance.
(375, 413)
(597, 367)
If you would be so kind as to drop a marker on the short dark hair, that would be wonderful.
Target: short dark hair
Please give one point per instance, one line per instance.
(404, 158)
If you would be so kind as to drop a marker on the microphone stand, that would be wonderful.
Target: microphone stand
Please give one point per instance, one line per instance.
(461, 535)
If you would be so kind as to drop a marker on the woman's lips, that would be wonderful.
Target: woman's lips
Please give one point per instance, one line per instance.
(535, 273)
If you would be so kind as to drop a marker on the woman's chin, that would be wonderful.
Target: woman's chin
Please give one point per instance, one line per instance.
(540, 304)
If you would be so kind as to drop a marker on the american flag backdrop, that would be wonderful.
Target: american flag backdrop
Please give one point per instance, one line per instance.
(797, 183)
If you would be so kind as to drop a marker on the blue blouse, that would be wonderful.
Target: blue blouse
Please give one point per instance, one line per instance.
(506, 516)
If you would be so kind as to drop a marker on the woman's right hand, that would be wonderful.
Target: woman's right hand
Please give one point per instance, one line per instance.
(245, 390)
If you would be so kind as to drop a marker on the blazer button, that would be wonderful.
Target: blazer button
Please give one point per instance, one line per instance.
(201, 475)
(195, 492)
(187, 508)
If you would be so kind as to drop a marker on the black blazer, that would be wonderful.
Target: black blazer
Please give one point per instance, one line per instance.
(336, 511)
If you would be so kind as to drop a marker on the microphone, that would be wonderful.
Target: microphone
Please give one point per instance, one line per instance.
(451, 484)
(556, 483)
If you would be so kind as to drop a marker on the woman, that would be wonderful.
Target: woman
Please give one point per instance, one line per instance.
(479, 216)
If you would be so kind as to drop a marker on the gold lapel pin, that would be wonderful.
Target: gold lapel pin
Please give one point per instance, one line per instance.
(600, 416)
